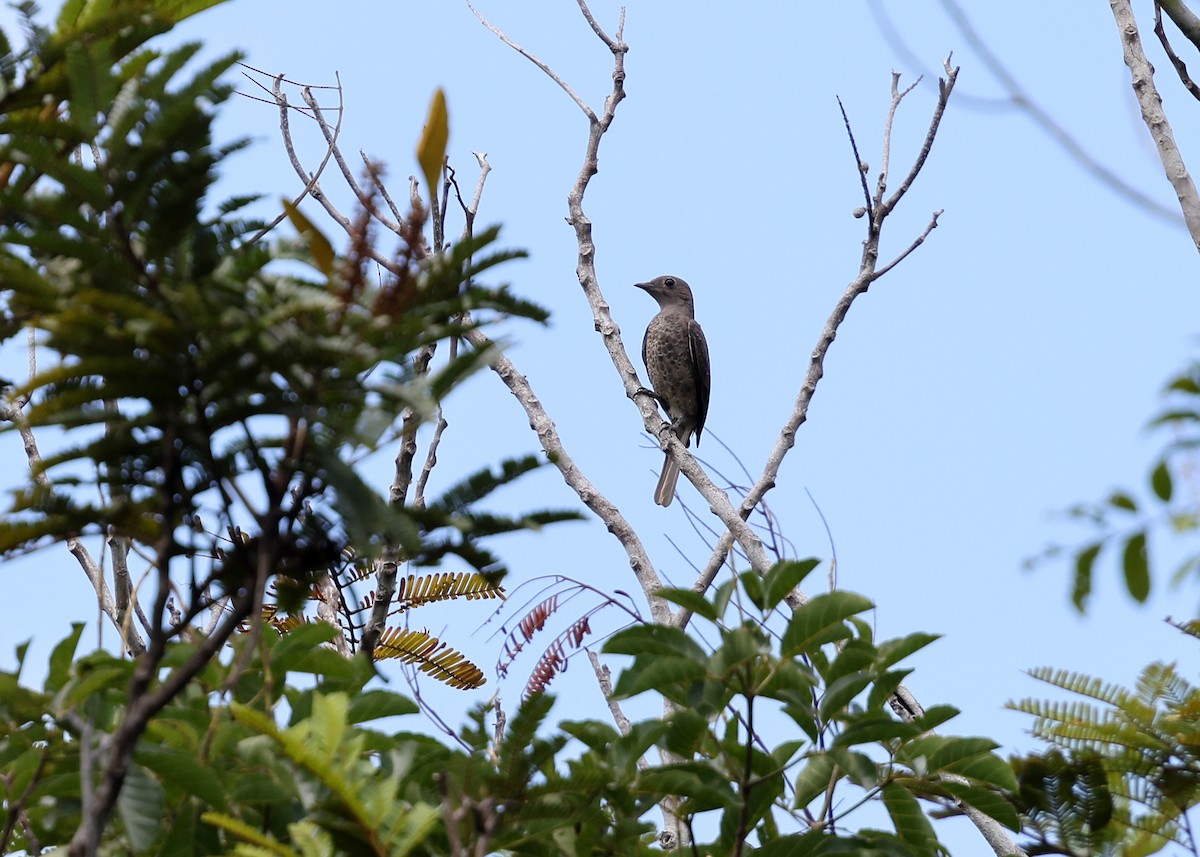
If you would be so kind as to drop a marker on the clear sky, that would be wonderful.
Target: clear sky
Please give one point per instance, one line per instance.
(1000, 374)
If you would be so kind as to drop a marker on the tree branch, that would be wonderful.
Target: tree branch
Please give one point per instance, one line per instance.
(1142, 74)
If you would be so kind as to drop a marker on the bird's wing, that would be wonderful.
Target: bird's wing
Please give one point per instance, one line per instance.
(700, 373)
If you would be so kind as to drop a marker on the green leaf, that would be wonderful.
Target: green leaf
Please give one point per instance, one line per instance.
(1082, 586)
(140, 804)
(800, 845)
(687, 729)
(671, 675)
(374, 704)
(298, 643)
(814, 779)
(752, 585)
(689, 600)
(873, 730)
(61, 660)
(1136, 567)
(1160, 481)
(654, 640)
(910, 822)
(318, 244)
(985, 800)
(266, 843)
(435, 136)
(92, 86)
(839, 694)
(859, 767)
(893, 651)
(820, 621)
(1121, 500)
(185, 771)
(782, 578)
(935, 716)
(702, 786)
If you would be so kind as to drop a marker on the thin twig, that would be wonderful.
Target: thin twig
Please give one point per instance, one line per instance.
(1180, 65)
(945, 87)
(859, 164)
(604, 679)
(917, 242)
(587, 111)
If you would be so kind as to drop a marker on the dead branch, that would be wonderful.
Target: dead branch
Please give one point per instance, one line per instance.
(1017, 98)
(1142, 74)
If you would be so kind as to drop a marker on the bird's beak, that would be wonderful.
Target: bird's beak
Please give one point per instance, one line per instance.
(644, 286)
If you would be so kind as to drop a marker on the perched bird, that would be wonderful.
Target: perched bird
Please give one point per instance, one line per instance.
(676, 358)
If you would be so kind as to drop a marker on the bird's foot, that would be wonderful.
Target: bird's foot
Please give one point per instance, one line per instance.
(646, 391)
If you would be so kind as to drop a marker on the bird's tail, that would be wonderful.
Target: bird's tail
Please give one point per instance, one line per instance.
(665, 492)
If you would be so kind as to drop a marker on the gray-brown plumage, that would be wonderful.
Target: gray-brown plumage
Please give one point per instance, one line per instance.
(676, 358)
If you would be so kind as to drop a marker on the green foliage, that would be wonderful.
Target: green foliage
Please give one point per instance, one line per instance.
(1123, 769)
(191, 373)
(214, 766)
(1124, 522)
(226, 767)
(824, 684)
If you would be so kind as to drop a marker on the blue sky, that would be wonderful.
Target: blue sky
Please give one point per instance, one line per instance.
(1001, 373)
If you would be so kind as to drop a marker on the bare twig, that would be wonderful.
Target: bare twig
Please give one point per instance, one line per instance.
(859, 164)
(312, 182)
(604, 679)
(867, 274)
(1179, 64)
(587, 111)
(1017, 98)
(1142, 74)
(430, 459)
(134, 642)
(552, 444)
(917, 242)
(1183, 17)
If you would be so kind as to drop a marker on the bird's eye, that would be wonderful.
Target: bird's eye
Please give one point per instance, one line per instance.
(669, 282)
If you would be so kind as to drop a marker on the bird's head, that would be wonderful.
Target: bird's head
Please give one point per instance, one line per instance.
(668, 291)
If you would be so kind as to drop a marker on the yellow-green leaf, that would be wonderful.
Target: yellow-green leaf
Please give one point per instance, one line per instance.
(318, 244)
(431, 150)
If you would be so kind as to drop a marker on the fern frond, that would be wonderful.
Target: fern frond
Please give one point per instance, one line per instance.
(432, 657)
(413, 590)
(532, 622)
(1083, 685)
(1160, 681)
(554, 660)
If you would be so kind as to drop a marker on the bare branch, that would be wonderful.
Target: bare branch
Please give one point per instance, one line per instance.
(1183, 17)
(1017, 98)
(312, 182)
(1142, 74)
(552, 444)
(917, 242)
(859, 163)
(587, 111)
(885, 165)
(604, 679)
(430, 459)
(11, 412)
(945, 87)
(1180, 65)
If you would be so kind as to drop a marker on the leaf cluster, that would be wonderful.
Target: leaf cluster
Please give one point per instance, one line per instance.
(1123, 769)
(227, 767)
(1124, 522)
(824, 683)
(193, 371)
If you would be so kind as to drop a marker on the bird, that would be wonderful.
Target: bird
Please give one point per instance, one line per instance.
(676, 357)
